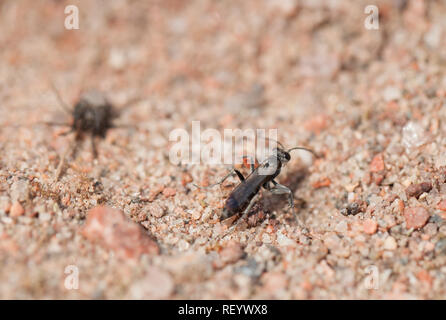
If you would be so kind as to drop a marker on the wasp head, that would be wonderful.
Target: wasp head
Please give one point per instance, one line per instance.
(282, 155)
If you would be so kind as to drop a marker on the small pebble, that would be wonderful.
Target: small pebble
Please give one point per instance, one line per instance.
(370, 226)
(283, 240)
(156, 284)
(232, 253)
(186, 178)
(16, 210)
(325, 182)
(20, 190)
(169, 192)
(196, 214)
(390, 243)
(392, 93)
(156, 210)
(416, 217)
(440, 247)
(251, 268)
(188, 267)
(413, 135)
(45, 216)
(274, 281)
(415, 190)
(7, 207)
(111, 228)
(431, 229)
(286, 7)
(266, 238)
(424, 276)
(342, 227)
(377, 163)
(117, 59)
(442, 205)
(317, 123)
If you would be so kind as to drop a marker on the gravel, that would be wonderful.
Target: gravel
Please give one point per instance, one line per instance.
(131, 224)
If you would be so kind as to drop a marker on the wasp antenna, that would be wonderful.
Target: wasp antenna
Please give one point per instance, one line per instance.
(59, 98)
(303, 148)
(278, 142)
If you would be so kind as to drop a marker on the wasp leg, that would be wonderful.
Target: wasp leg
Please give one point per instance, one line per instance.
(281, 189)
(239, 175)
(267, 186)
(231, 173)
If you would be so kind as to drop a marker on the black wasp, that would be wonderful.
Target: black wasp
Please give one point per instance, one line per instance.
(245, 194)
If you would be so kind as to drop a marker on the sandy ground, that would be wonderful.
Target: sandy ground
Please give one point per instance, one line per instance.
(370, 102)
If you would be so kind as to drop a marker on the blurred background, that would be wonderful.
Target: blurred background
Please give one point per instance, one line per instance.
(309, 68)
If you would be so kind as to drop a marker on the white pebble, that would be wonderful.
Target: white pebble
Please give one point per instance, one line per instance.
(390, 243)
(117, 59)
(283, 240)
(342, 227)
(413, 135)
(392, 93)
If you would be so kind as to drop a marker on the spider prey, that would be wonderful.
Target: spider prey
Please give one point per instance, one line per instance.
(243, 197)
(92, 115)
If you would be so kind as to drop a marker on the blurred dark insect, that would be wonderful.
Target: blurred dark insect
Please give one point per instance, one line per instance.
(92, 116)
